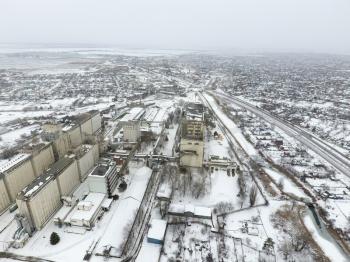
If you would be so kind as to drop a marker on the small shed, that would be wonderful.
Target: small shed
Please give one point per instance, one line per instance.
(86, 211)
(106, 204)
(164, 192)
(156, 231)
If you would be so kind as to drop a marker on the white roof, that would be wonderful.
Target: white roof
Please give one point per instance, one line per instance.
(161, 116)
(63, 212)
(8, 163)
(134, 114)
(189, 208)
(137, 187)
(202, 211)
(151, 114)
(195, 117)
(164, 191)
(96, 200)
(157, 229)
(196, 210)
(176, 208)
(155, 115)
(126, 210)
(107, 203)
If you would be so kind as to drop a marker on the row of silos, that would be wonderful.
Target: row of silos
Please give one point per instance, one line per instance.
(42, 198)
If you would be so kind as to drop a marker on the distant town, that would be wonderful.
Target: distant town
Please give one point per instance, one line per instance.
(174, 156)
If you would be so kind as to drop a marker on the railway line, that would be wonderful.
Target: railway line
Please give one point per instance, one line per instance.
(338, 160)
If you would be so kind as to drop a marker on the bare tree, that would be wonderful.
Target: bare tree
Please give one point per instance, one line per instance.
(286, 249)
(198, 188)
(242, 184)
(223, 207)
(280, 183)
(252, 195)
(8, 152)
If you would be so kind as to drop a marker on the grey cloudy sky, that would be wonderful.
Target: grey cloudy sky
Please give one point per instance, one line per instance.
(281, 25)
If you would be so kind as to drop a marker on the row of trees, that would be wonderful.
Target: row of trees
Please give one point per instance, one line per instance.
(184, 181)
(242, 184)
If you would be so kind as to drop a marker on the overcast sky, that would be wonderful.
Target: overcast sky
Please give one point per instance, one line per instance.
(281, 25)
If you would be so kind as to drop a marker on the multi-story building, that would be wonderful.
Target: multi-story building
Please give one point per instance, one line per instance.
(192, 136)
(155, 118)
(131, 124)
(132, 131)
(104, 177)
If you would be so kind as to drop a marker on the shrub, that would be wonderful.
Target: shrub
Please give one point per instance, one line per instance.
(54, 238)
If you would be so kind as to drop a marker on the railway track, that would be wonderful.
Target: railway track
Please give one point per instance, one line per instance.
(338, 160)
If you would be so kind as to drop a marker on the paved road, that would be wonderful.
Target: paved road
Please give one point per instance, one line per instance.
(328, 153)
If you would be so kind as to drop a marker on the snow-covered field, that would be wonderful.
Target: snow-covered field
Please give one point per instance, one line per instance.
(10, 138)
(287, 185)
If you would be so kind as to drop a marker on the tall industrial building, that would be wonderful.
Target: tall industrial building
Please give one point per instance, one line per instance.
(72, 131)
(192, 136)
(104, 177)
(41, 198)
(131, 123)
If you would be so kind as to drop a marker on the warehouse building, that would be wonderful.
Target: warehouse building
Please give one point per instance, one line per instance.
(177, 209)
(156, 118)
(42, 198)
(192, 136)
(86, 211)
(104, 177)
(156, 231)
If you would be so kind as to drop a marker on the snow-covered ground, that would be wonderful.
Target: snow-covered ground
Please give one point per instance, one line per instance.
(167, 148)
(10, 116)
(235, 131)
(10, 138)
(287, 185)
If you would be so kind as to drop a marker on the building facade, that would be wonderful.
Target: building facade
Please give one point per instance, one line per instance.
(104, 177)
(132, 131)
(42, 158)
(38, 201)
(87, 157)
(15, 174)
(192, 136)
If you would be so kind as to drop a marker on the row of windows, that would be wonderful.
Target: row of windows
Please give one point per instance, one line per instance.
(190, 143)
